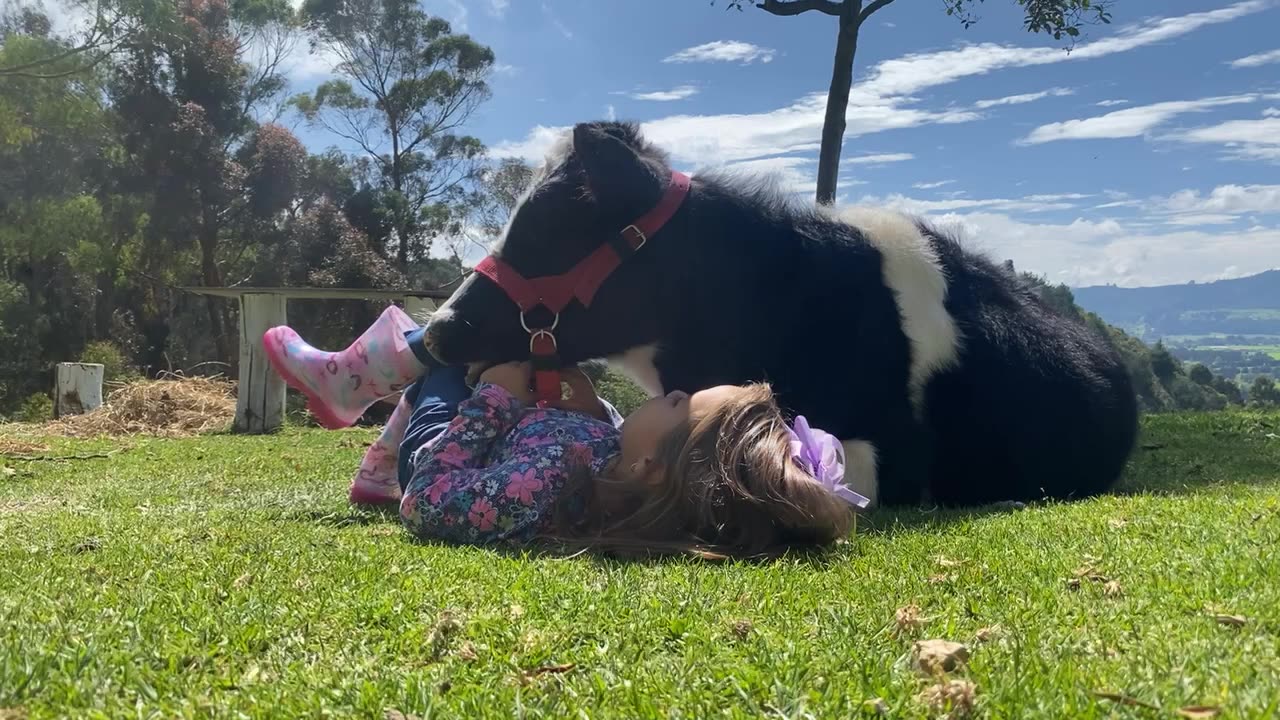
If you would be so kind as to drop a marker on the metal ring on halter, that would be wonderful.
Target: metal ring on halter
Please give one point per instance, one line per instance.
(531, 331)
(533, 337)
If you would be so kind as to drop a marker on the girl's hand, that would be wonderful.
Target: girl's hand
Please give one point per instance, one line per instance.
(583, 396)
(515, 377)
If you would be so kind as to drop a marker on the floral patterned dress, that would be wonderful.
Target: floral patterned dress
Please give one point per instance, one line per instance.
(497, 471)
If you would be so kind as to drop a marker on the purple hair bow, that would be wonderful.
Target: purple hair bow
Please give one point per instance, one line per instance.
(821, 455)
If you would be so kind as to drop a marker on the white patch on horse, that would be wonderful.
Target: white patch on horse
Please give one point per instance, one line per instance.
(860, 470)
(913, 272)
(637, 364)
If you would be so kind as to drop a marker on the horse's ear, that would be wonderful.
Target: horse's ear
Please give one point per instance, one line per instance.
(619, 178)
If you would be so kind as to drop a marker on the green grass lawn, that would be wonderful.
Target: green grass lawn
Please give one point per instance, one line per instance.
(226, 577)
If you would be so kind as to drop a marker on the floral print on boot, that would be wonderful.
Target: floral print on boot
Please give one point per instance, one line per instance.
(377, 481)
(340, 386)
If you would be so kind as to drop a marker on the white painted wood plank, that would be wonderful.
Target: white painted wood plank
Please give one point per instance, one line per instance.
(260, 395)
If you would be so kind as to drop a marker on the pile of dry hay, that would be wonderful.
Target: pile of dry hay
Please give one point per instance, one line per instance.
(174, 406)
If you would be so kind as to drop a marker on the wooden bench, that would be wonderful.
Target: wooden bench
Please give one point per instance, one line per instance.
(260, 395)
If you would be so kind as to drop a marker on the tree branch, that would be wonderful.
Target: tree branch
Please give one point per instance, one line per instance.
(868, 10)
(795, 7)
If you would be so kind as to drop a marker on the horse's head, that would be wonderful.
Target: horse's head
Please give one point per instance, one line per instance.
(594, 184)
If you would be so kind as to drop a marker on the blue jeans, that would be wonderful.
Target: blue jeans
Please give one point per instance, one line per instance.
(434, 398)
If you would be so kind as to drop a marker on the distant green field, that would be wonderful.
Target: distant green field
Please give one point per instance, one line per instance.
(1201, 338)
(1271, 350)
(1244, 314)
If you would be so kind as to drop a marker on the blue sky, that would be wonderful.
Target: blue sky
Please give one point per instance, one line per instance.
(1150, 154)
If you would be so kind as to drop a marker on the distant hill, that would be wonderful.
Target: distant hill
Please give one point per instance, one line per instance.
(1243, 306)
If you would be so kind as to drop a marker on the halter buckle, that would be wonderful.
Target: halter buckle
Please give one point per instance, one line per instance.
(638, 232)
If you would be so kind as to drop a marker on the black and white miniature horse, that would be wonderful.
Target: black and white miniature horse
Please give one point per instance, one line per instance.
(948, 380)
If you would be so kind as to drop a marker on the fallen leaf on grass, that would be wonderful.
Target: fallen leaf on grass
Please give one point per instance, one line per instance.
(13, 713)
(1200, 712)
(7, 472)
(957, 696)
(945, 562)
(1124, 700)
(741, 628)
(1230, 620)
(1112, 589)
(242, 581)
(987, 634)
(1117, 523)
(446, 626)
(530, 675)
(877, 705)
(941, 578)
(934, 656)
(393, 714)
(907, 619)
(468, 651)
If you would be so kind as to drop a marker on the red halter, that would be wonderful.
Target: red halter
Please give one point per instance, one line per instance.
(555, 292)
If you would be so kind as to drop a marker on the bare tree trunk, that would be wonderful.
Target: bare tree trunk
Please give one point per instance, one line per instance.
(837, 103)
(213, 278)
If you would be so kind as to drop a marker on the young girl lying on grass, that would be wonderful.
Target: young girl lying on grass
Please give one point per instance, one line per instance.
(719, 469)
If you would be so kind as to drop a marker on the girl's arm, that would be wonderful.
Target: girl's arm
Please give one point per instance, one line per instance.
(453, 495)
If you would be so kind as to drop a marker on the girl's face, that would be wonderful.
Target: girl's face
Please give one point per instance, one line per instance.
(644, 429)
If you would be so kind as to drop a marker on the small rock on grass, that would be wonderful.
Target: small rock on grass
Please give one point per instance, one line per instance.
(938, 656)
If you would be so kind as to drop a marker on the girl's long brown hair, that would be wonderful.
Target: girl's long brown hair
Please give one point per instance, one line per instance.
(728, 488)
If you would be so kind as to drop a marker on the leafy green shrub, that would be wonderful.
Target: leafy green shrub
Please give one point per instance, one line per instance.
(618, 389)
(36, 408)
(115, 366)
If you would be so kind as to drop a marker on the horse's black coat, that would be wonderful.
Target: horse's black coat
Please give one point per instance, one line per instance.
(742, 285)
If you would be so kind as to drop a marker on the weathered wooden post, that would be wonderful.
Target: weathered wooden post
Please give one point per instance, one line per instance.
(77, 388)
(260, 396)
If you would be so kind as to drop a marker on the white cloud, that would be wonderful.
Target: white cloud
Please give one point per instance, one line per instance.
(1111, 103)
(1012, 205)
(792, 174)
(676, 93)
(917, 71)
(610, 112)
(931, 185)
(1271, 112)
(1228, 200)
(498, 8)
(504, 69)
(1263, 58)
(1129, 122)
(1084, 252)
(556, 22)
(1244, 139)
(881, 159)
(884, 101)
(722, 51)
(1023, 98)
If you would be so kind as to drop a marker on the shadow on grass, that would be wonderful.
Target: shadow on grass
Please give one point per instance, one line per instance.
(1176, 454)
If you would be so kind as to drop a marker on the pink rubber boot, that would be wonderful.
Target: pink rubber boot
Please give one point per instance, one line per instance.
(377, 481)
(340, 386)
